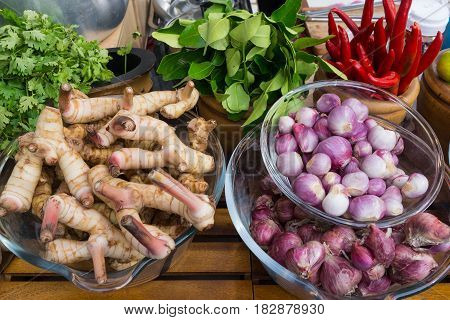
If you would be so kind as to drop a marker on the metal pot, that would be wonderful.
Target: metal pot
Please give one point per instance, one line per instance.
(96, 18)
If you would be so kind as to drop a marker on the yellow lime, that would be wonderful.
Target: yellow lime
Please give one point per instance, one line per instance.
(443, 67)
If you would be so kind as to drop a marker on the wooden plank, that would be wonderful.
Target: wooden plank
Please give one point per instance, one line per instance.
(154, 290)
(275, 292)
(223, 225)
(201, 257)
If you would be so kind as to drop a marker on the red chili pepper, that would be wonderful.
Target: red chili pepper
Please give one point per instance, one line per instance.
(359, 72)
(347, 20)
(333, 50)
(362, 37)
(346, 52)
(431, 53)
(332, 29)
(380, 51)
(388, 81)
(398, 31)
(409, 53)
(364, 59)
(367, 14)
(386, 64)
(390, 12)
(412, 73)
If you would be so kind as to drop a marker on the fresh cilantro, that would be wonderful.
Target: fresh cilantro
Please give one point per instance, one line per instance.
(36, 57)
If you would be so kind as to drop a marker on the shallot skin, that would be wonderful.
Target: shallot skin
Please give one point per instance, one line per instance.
(410, 266)
(338, 276)
(374, 287)
(264, 231)
(424, 229)
(338, 239)
(281, 245)
(305, 260)
(367, 208)
(381, 245)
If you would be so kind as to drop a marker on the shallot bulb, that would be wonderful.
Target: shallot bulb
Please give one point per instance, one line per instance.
(381, 245)
(391, 169)
(375, 273)
(284, 209)
(395, 159)
(264, 231)
(328, 102)
(377, 187)
(338, 239)
(285, 143)
(319, 164)
(263, 201)
(382, 139)
(393, 207)
(400, 180)
(306, 138)
(342, 121)
(336, 202)
(285, 124)
(309, 188)
(443, 247)
(307, 116)
(374, 287)
(361, 111)
(290, 164)
(305, 260)
(294, 225)
(399, 147)
(361, 257)
(262, 214)
(330, 179)
(309, 232)
(362, 148)
(321, 128)
(299, 213)
(410, 266)
(338, 149)
(352, 166)
(424, 229)
(281, 245)
(374, 166)
(416, 186)
(268, 186)
(367, 208)
(370, 123)
(392, 192)
(359, 133)
(356, 183)
(338, 276)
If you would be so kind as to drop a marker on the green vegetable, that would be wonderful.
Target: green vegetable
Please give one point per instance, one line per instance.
(245, 60)
(36, 57)
(124, 51)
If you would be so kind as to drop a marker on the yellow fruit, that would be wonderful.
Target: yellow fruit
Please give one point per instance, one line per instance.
(443, 67)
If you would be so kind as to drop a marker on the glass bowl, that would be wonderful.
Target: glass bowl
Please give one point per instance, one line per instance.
(245, 171)
(422, 153)
(19, 232)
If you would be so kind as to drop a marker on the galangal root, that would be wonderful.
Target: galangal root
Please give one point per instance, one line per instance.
(167, 194)
(171, 104)
(104, 240)
(130, 219)
(174, 152)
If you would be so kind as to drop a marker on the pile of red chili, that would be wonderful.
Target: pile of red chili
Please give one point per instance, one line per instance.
(385, 56)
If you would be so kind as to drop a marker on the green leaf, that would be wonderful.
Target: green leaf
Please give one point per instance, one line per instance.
(125, 50)
(27, 103)
(238, 100)
(233, 58)
(262, 37)
(199, 71)
(253, 52)
(330, 68)
(218, 59)
(228, 4)
(259, 106)
(241, 14)
(307, 69)
(220, 45)
(287, 13)
(215, 8)
(246, 29)
(215, 29)
(176, 65)
(170, 39)
(264, 65)
(298, 29)
(190, 37)
(275, 84)
(307, 42)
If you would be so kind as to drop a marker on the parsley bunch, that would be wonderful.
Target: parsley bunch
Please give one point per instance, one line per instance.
(37, 55)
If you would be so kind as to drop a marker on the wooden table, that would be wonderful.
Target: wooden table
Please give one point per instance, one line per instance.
(217, 265)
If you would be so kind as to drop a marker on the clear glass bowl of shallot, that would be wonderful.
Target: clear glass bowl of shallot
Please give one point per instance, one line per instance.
(248, 182)
(19, 232)
(331, 150)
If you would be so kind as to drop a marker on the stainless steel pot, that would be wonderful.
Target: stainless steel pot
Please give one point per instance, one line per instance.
(96, 18)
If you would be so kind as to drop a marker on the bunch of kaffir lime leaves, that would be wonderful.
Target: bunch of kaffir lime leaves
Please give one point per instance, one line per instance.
(37, 55)
(243, 59)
